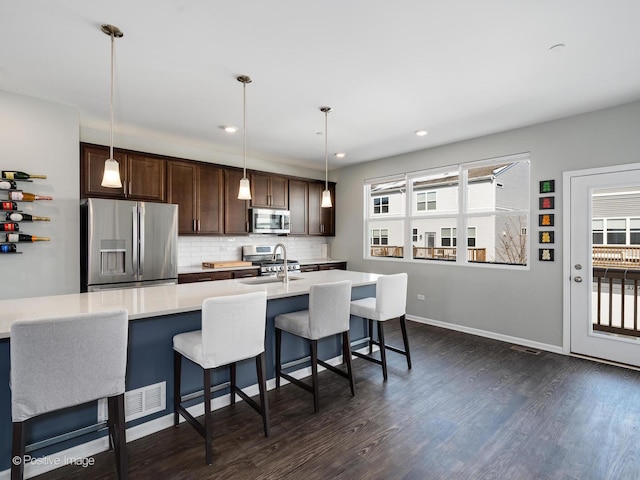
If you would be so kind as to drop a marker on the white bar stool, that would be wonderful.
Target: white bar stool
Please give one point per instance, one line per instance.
(233, 329)
(389, 303)
(61, 362)
(328, 315)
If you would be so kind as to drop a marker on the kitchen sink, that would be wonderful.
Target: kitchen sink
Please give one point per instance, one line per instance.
(261, 280)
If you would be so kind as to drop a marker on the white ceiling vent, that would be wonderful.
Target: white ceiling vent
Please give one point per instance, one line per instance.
(138, 403)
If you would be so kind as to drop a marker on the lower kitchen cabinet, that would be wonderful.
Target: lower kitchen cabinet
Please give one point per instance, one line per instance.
(213, 275)
(314, 267)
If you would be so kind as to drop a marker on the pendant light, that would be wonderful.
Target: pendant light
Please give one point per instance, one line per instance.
(244, 192)
(111, 176)
(326, 194)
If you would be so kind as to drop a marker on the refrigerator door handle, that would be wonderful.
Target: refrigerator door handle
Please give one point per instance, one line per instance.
(141, 227)
(134, 241)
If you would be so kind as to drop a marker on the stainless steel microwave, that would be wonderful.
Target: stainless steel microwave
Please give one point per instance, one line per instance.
(265, 220)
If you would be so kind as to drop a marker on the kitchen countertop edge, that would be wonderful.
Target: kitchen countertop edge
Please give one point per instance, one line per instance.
(155, 301)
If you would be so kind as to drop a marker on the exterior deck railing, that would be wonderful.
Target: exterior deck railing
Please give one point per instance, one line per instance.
(616, 256)
(615, 300)
(429, 253)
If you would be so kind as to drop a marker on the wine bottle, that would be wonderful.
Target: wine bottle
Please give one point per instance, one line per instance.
(8, 248)
(25, 217)
(9, 206)
(8, 185)
(27, 197)
(23, 237)
(15, 175)
(9, 227)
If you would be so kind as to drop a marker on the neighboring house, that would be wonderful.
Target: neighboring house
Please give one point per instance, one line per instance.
(434, 208)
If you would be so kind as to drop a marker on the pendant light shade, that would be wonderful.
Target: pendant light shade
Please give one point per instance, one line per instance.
(326, 193)
(244, 192)
(111, 176)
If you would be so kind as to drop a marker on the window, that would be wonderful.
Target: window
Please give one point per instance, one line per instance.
(426, 201)
(380, 236)
(597, 227)
(431, 200)
(448, 237)
(616, 231)
(634, 233)
(471, 236)
(484, 205)
(381, 205)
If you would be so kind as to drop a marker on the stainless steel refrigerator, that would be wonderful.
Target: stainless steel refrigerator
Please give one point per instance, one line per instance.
(127, 244)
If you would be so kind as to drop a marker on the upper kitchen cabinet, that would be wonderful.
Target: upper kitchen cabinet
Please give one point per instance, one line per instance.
(197, 189)
(143, 176)
(321, 220)
(299, 207)
(271, 191)
(236, 216)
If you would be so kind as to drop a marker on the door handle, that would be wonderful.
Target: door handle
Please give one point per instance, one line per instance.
(577, 279)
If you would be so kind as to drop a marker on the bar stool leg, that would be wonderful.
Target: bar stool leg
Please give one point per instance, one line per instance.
(383, 348)
(233, 383)
(208, 421)
(346, 356)
(120, 441)
(278, 356)
(262, 385)
(177, 371)
(370, 336)
(405, 339)
(17, 454)
(314, 375)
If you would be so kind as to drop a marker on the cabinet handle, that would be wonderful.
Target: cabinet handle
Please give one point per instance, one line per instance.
(245, 275)
(193, 226)
(198, 224)
(205, 279)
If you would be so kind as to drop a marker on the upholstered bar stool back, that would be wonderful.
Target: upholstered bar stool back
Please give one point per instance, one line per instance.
(389, 303)
(328, 315)
(233, 329)
(62, 362)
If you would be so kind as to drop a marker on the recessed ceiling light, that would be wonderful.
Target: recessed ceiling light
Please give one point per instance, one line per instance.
(557, 48)
(421, 133)
(340, 154)
(229, 128)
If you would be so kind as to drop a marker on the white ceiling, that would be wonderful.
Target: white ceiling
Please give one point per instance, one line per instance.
(459, 69)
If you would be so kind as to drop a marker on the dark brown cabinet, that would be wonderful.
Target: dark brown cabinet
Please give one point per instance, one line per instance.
(212, 276)
(321, 220)
(271, 191)
(204, 277)
(332, 266)
(197, 189)
(299, 206)
(308, 268)
(143, 176)
(236, 217)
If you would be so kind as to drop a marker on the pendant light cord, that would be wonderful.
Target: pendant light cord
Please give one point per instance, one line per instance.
(326, 161)
(244, 127)
(111, 103)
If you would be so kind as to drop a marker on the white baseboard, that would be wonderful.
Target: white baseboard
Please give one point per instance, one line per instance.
(484, 333)
(89, 449)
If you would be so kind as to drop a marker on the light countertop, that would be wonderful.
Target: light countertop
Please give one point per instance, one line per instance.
(164, 299)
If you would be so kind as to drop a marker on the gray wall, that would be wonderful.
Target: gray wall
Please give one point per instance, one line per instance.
(42, 138)
(525, 304)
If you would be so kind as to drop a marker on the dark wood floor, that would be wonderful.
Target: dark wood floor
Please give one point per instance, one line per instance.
(471, 408)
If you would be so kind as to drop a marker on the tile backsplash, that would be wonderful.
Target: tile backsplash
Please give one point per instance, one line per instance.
(192, 251)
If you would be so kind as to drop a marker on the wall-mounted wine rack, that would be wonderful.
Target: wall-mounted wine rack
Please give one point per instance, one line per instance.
(11, 214)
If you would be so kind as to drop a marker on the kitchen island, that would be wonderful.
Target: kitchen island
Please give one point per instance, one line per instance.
(156, 314)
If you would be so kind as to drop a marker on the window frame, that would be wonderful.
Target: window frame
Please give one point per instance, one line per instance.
(462, 217)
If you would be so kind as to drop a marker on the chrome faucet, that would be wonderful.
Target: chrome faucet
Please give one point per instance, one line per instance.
(284, 274)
